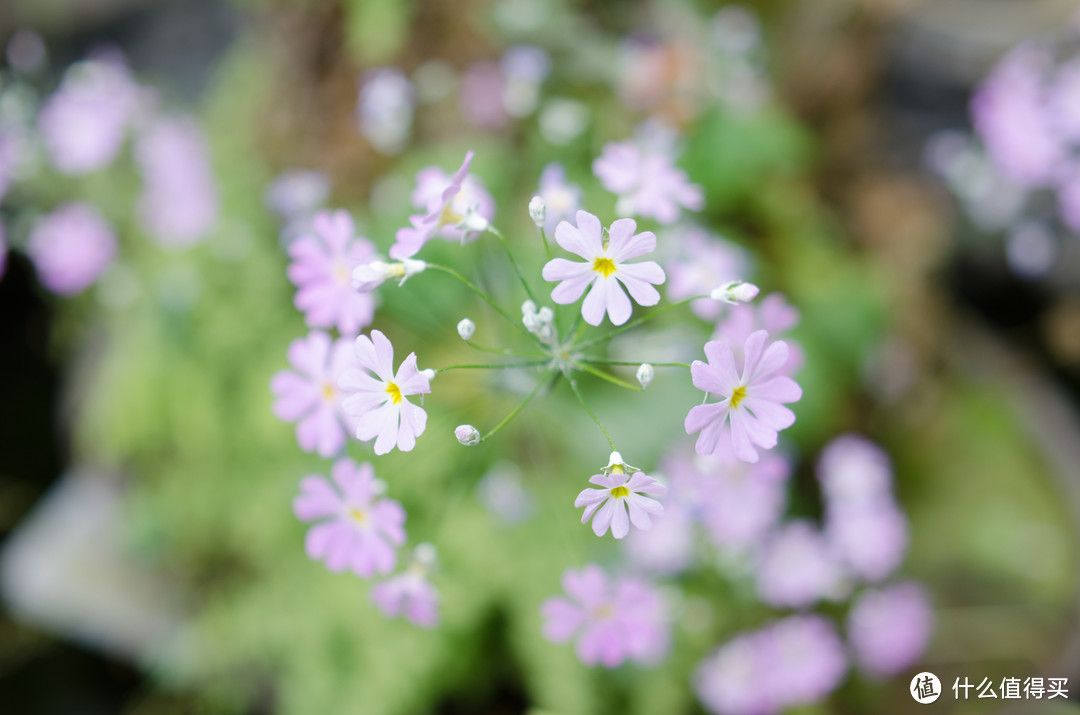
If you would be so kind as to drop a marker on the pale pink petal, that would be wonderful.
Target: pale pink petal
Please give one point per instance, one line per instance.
(776, 416)
(740, 438)
(778, 389)
(317, 499)
(722, 360)
(309, 355)
(413, 423)
(603, 517)
(773, 359)
(296, 395)
(355, 482)
(752, 353)
(624, 244)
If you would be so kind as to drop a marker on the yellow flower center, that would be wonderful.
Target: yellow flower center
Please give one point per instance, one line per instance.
(449, 216)
(358, 516)
(603, 611)
(618, 492)
(328, 392)
(738, 396)
(604, 266)
(394, 391)
(617, 469)
(341, 272)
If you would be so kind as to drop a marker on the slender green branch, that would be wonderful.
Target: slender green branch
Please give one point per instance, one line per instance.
(581, 399)
(487, 299)
(546, 380)
(504, 351)
(547, 248)
(609, 378)
(635, 323)
(598, 361)
(504, 366)
(513, 262)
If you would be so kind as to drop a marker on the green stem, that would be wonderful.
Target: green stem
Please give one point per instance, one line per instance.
(594, 361)
(550, 377)
(504, 351)
(547, 248)
(635, 323)
(610, 378)
(581, 399)
(475, 289)
(513, 262)
(505, 366)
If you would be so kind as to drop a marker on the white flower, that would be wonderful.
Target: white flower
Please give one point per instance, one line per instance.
(466, 328)
(538, 211)
(368, 277)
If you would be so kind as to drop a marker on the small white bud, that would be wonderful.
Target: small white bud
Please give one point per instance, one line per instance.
(645, 374)
(614, 460)
(466, 328)
(429, 374)
(467, 435)
(735, 292)
(546, 315)
(531, 322)
(425, 555)
(546, 333)
(378, 486)
(411, 267)
(537, 211)
(528, 308)
(473, 221)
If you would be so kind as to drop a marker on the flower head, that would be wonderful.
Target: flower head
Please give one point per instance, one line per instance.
(889, 629)
(384, 109)
(647, 182)
(456, 207)
(561, 199)
(796, 568)
(740, 503)
(410, 593)
(854, 471)
(356, 530)
(621, 499)
(322, 269)
(378, 402)
(70, 248)
(752, 403)
(308, 394)
(870, 539)
(605, 268)
(613, 620)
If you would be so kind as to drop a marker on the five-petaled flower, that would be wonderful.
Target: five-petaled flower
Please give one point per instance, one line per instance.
(647, 182)
(605, 268)
(308, 394)
(357, 529)
(614, 620)
(752, 403)
(621, 499)
(378, 402)
(322, 265)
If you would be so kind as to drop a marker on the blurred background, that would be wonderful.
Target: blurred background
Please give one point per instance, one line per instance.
(149, 559)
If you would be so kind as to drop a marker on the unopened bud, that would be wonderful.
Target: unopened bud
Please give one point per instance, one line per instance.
(467, 435)
(537, 211)
(735, 292)
(429, 374)
(466, 328)
(645, 374)
(528, 308)
(546, 315)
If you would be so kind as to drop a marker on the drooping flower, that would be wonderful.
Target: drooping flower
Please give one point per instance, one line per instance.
(621, 500)
(70, 248)
(613, 620)
(605, 268)
(322, 268)
(456, 207)
(378, 402)
(772, 314)
(752, 403)
(411, 593)
(702, 262)
(384, 109)
(561, 199)
(890, 629)
(647, 182)
(357, 529)
(83, 123)
(796, 568)
(309, 395)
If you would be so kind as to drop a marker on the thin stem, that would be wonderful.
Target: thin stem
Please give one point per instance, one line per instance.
(547, 248)
(635, 323)
(610, 378)
(475, 289)
(504, 351)
(581, 399)
(596, 361)
(521, 405)
(513, 262)
(504, 366)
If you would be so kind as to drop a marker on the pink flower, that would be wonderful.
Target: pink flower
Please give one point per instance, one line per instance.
(797, 568)
(378, 402)
(604, 268)
(741, 503)
(481, 96)
(384, 109)
(321, 269)
(456, 207)
(409, 594)
(752, 403)
(854, 471)
(179, 202)
(613, 621)
(647, 182)
(70, 248)
(561, 198)
(357, 530)
(668, 547)
(890, 629)
(702, 263)
(308, 394)
(83, 124)
(732, 680)
(621, 500)
(772, 314)
(870, 539)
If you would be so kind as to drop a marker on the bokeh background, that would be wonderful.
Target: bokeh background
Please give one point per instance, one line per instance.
(151, 563)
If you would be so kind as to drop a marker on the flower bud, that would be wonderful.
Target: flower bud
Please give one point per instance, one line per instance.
(546, 315)
(735, 292)
(429, 374)
(425, 555)
(528, 308)
(467, 435)
(466, 328)
(537, 211)
(645, 374)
